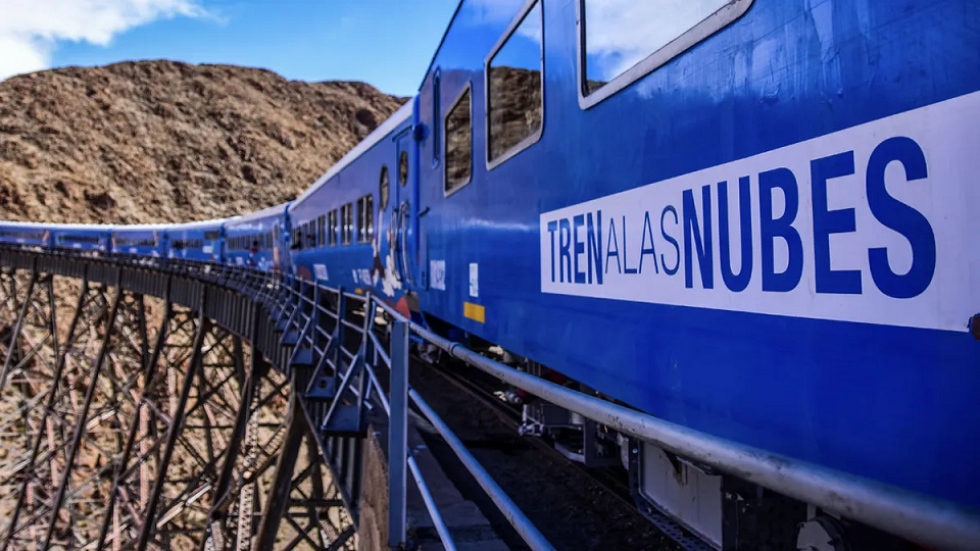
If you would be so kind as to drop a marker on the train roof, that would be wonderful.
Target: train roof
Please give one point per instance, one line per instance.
(404, 113)
(140, 227)
(201, 224)
(11, 223)
(79, 227)
(258, 215)
(442, 40)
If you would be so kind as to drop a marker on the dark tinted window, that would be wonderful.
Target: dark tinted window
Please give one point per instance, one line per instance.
(347, 223)
(383, 187)
(365, 219)
(459, 143)
(402, 169)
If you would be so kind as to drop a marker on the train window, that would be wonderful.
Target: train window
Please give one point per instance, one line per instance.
(515, 105)
(459, 143)
(347, 223)
(383, 187)
(360, 220)
(321, 226)
(619, 45)
(365, 219)
(298, 238)
(403, 168)
(332, 228)
(369, 216)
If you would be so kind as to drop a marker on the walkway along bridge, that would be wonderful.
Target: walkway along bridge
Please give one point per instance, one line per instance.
(185, 405)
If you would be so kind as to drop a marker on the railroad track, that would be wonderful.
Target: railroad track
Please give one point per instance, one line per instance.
(609, 479)
(511, 415)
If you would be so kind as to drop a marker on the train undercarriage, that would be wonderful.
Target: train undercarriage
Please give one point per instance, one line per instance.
(698, 506)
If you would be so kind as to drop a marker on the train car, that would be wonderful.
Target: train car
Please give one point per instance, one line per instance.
(91, 238)
(146, 240)
(347, 226)
(25, 234)
(199, 241)
(259, 240)
(748, 217)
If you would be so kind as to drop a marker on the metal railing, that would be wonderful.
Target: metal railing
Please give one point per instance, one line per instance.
(331, 349)
(322, 318)
(913, 516)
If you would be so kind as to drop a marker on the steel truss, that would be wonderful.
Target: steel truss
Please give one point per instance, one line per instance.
(129, 422)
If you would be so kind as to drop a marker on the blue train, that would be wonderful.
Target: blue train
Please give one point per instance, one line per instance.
(748, 217)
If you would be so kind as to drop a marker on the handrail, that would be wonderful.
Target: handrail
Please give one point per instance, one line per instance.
(918, 518)
(511, 511)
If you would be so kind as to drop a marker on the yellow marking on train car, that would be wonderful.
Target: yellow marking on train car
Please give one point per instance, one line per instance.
(359, 291)
(475, 312)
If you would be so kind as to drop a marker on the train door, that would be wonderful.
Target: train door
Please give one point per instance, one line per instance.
(162, 242)
(282, 242)
(406, 219)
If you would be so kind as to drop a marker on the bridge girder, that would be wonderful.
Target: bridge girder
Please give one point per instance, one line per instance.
(130, 422)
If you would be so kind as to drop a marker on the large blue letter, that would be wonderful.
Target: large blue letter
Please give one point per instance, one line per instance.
(611, 246)
(564, 243)
(578, 221)
(671, 240)
(736, 282)
(644, 249)
(902, 218)
(771, 228)
(552, 228)
(826, 222)
(693, 233)
(595, 245)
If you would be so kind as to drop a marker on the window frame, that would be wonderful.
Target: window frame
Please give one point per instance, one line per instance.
(385, 176)
(365, 218)
(436, 116)
(369, 222)
(361, 229)
(726, 15)
(333, 222)
(347, 230)
(403, 154)
(535, 137)
(445, 142)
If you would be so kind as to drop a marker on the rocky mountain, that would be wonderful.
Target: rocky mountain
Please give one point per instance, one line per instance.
(161, 141)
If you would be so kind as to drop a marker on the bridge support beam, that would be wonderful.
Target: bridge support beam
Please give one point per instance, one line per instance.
(134, 422)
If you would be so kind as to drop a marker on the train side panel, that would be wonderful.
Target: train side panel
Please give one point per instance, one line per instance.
(255, 240)
(89, 238)
(345, 229)
(764, 237)
(148, 241)
(198, 241)
(25, 234)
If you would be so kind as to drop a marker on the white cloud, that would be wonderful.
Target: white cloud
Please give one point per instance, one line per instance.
(30, 29)
(620, 33)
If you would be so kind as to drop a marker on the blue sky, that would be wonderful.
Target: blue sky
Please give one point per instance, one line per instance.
(387, 43)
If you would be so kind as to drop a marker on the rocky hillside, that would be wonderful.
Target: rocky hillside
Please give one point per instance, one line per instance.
(160, 141)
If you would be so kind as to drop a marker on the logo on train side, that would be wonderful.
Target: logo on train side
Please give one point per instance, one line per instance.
(869, 224)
